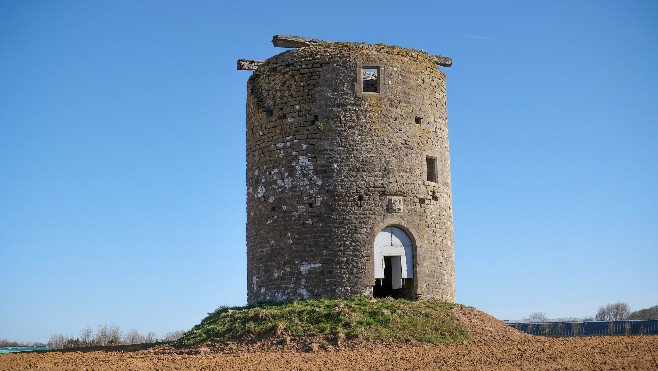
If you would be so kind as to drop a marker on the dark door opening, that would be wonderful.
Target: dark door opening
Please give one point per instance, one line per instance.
(384, 286)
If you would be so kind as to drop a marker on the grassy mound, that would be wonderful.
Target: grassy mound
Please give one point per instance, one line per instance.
(387, 320)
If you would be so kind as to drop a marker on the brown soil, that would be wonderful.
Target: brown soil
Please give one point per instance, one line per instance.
(493, 345)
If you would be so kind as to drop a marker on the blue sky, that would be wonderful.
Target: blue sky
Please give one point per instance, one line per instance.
(122, 140)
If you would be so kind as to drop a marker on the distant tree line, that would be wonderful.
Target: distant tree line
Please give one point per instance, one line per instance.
(611, 312)
(107, 336)
(621, 311)
(645, 314)
(536, 317)
(8, 343)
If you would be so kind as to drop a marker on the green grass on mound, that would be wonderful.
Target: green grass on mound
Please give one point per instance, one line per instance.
(334, 320)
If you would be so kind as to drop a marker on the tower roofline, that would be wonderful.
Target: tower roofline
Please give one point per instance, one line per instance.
(294, 42)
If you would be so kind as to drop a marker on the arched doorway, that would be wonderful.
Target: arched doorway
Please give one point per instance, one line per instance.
(394, 264)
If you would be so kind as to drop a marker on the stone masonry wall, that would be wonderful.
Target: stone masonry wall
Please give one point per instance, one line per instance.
(325, 162)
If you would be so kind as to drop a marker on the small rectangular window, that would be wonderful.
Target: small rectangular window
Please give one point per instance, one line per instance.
(419, 120)
(431, 169)
(370, 77)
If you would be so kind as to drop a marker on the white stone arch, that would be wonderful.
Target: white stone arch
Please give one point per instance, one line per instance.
(394, 242)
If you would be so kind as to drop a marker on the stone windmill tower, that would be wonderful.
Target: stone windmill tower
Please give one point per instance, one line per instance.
(348, 173)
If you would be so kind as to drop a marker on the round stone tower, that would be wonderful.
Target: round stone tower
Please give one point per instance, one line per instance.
(348, 174)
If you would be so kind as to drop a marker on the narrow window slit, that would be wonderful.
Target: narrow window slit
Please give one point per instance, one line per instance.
(431, 169)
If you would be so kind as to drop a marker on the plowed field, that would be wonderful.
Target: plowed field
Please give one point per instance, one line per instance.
(492, 346)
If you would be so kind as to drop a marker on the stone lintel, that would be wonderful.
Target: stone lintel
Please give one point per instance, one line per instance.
(441, 60)
(248, 64)
(285, 41)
